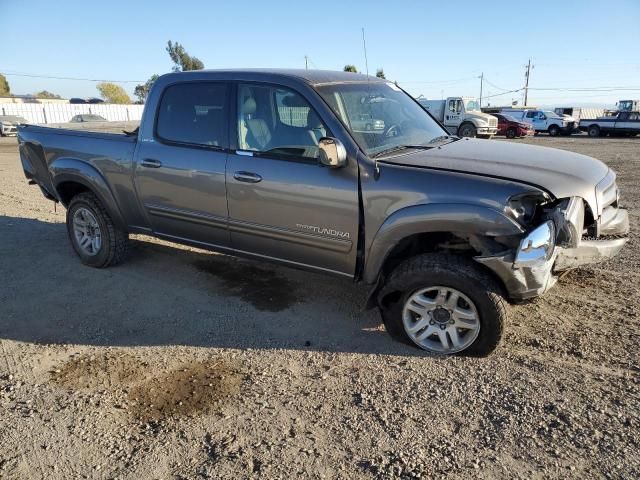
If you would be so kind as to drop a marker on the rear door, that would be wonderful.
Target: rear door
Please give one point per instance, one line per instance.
(282, 203)
(180, 173)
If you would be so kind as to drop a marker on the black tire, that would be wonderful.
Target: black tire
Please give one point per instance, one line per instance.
(554, 130)
(511, 132)
(594, 131)
(467, 130)
(452, 271)
(115, 242)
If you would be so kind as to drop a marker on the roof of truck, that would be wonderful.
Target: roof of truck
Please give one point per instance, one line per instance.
(314, 77)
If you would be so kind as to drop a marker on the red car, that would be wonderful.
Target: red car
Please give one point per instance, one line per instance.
(512, 128)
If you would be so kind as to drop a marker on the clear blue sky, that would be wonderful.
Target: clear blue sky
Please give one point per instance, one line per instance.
(431, 48)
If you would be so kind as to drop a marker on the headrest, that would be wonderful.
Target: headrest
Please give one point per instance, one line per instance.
(313, 120)
(293, 100)
(249, 106)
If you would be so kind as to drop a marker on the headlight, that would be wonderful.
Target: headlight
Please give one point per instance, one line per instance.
(524, 207)
(537, 247)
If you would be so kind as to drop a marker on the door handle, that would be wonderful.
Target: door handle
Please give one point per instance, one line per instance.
(247, 177)
(151, 163)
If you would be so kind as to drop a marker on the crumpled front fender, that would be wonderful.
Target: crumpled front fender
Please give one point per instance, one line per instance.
(455, 218)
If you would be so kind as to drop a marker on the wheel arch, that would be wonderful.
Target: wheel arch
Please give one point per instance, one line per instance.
(427, 228)
(72, 176)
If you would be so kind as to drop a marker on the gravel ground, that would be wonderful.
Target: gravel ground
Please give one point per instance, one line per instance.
(186, 364)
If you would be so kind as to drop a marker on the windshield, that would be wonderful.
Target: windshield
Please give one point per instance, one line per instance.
(470, 105)
(380, 116)
(550, 114)
(13, 118)
(625, 105)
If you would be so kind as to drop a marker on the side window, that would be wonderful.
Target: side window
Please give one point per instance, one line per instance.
(195, 114)
(455, 106)
(531, 114)
(277, 121)
(633, 116)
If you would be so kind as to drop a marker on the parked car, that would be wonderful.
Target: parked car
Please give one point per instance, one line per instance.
(9, 124)
(77, 100)
(95, 100)
(86, 117)
(623, 123)
(442, 229)
(511, 128)
(544, 121)
(366, 122)
(462, 116)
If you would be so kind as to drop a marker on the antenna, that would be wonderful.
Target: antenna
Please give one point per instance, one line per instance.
(306, 63)
(364, 46)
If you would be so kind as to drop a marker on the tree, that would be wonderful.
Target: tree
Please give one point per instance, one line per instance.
(47, 94)
(350, 68)
(380, 73)
(141, 91)
(5, 91)
(182, 61)
(113, 93)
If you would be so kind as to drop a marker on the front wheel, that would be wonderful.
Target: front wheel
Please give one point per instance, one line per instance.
(94, 237)
(554, 130)
(444, 304)
(594, 131)
(511, 132)
(467, 130)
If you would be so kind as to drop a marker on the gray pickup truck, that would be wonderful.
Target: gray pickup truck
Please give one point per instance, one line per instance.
(268, 165)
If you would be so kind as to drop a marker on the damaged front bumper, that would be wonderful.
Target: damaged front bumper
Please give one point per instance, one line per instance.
(534, 276)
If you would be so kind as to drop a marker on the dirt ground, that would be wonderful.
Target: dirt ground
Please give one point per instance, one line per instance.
(185, 364)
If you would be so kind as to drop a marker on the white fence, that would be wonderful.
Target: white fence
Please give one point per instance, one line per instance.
(62, 112)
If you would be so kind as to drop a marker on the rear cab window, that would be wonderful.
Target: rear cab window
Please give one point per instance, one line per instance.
(194, 113)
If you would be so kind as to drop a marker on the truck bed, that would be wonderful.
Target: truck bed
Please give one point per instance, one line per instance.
(43, 149)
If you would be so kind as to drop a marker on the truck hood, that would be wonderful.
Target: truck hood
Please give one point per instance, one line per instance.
(559, 172)
(485, 117)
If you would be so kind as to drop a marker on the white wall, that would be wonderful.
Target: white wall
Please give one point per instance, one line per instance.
(61, 113)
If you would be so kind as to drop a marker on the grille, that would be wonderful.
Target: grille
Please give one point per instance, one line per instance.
(493, 122)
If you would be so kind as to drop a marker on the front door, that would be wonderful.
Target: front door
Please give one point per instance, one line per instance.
(453, 113)
(180, 174)
(282, 203)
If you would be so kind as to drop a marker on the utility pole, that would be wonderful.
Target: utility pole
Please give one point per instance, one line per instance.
(306, 63)
(481, 79)
(526, 82)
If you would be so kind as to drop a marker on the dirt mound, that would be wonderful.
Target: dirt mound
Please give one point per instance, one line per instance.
(188, 390)
(109, 370)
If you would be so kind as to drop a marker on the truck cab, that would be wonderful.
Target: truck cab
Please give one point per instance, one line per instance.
(462, 116)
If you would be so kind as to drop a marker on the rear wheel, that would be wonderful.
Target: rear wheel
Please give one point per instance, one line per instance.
(594, 131)
(467, 130)
(444, 304)
(94, 237)
(511, 132)
(554, 130)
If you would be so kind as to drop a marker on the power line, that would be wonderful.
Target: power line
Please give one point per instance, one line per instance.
(36, 75)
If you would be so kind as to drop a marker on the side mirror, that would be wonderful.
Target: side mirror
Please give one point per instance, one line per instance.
(332, 152)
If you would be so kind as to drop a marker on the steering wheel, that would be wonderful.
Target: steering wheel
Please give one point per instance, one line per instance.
(392, 131)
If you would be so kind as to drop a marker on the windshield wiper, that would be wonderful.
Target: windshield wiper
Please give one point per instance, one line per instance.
(401, 147)
(439, 139)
